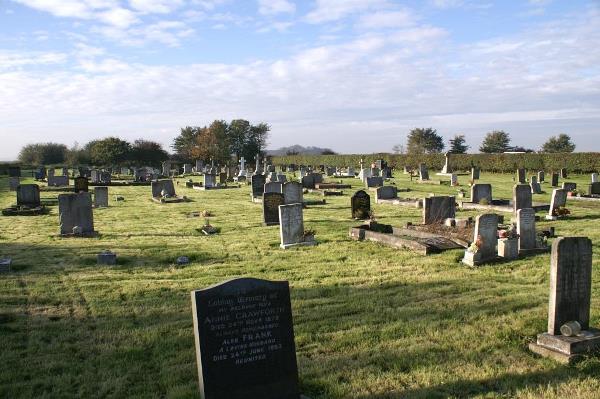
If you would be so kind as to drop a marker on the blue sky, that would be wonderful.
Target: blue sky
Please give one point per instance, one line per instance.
(352, 75)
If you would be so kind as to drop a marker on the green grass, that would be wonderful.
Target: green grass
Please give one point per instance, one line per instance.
(370, 321)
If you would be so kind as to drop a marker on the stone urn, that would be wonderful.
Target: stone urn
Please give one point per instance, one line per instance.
(508, 248)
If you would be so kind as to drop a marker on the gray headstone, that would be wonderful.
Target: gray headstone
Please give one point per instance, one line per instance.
(475, 172)
(361, 205)
(594, 177)
(58, 181)
(166, 168)
(51, 172)
(187, 168)
(100, 196)
(569, 186)
(438, 208)
(447, 168)
(386, 192)
(486, 232)
(258, 185)
(563, 173)
(570, 283)
(293, 193)
(273, 187)
(521, 197)
(559, 199)
(541, 176)
(375, 181)
(271, 203)
(159, 185)
(594, 188)
(106, 258)
(80, 184)
(291, 224)
(526, 228)
(13, 183)
(244, 337)
(75, 210)
(535, 186)
(28, 195)
(481, 192)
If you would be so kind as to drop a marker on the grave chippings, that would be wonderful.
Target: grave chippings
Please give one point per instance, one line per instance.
(244, 336)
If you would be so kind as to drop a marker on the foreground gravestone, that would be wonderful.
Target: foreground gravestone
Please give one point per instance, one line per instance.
(271, 203)
(244, 338)
(522, 197)
(386, 193)
(293, 193)
(100, 196)
(258, 185)
(28, 195)
(485, 239)
(361, 205)
(291, 227)
(526, 229)
(481, 193)
(75, 214)
(521, 176)
(80, 184)
(558, 200)
(438, 208)
(569, 304)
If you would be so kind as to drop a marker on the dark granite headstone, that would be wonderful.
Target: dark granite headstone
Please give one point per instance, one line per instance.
(570, 283)
(159, 185)
(594, 188)
(521, 197)
(481, 192)
(361, 205)
(423, 172)
(374, 181)
(308, 181)
(569, 186)
(541, 176)
(439, 208)
(521, 178)
(28, 195)
(554, 181)
(271, 203)
(244, 337)
(75, 210)
(563, 173)
(80, 184)
(475, 172)
(386, 193)
(258, 185)
(14, 171)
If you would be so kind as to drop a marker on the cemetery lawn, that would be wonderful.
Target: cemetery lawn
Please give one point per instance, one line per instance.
(370, 321)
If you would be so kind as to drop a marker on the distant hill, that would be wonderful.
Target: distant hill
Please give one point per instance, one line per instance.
(300, 150)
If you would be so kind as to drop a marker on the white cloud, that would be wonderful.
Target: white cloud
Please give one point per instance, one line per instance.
(155, 6)
(118, 17)
(271, 7)
(10, 60)
(386, 19)
(333, 10)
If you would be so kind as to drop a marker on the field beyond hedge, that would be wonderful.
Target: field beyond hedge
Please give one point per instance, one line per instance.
(369, 321)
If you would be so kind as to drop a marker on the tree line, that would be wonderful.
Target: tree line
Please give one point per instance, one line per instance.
(217, 141)
(428, 141)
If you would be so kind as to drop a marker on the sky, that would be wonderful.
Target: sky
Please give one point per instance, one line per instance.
(352, 75)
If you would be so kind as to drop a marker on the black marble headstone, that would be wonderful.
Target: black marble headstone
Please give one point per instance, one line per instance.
(258, 184)
(80, 184)
(361, 205)
(271, 202)
(554, 179)
(244, 338)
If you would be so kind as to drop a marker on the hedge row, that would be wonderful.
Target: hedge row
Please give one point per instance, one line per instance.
(580, 162)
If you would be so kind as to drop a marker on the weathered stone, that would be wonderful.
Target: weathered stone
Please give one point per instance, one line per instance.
(558, 200)
(508, 248)
(375, 181)
(258, 185)
(28, 195)
(475, 173)
(106, 258)
(75, 210)
(486, 237)
(361, 205)
(386, 193)
(541, 176)
(291, 226)
(13, 183)
(100, 196)
(271, 203)
(273, 187)
(526, 228)
(423, 172)
(293, 193)
(521, 197)
(244, 337)
(80, 184)
(554, 179)
(438, 208)
(569, 186)
(481, 193)
(594, 188)
(594, 178)
(521, 178)
(160, 186)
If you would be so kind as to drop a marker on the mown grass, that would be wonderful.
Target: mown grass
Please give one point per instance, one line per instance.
(370, 321)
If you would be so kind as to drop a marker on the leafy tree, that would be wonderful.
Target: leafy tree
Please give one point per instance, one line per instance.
(108, 151)
(212, 143)
(496, 141)
(328, 151)
(76, 155)
(256, 141)
(560, 143)
(398, 149)
(519, 148)
(185, 143)
(147, 153)
(458, 144)
(237, 133)
(424, 140)
(43, 153)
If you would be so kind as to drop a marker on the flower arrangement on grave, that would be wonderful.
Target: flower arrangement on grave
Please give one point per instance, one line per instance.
(208, 228)
(541, 240)
(474, 247)
(372, 217)
(461, 193)
(560, 211)
(309, 235)
(510, 234)
(574, 193)
(206, 213)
